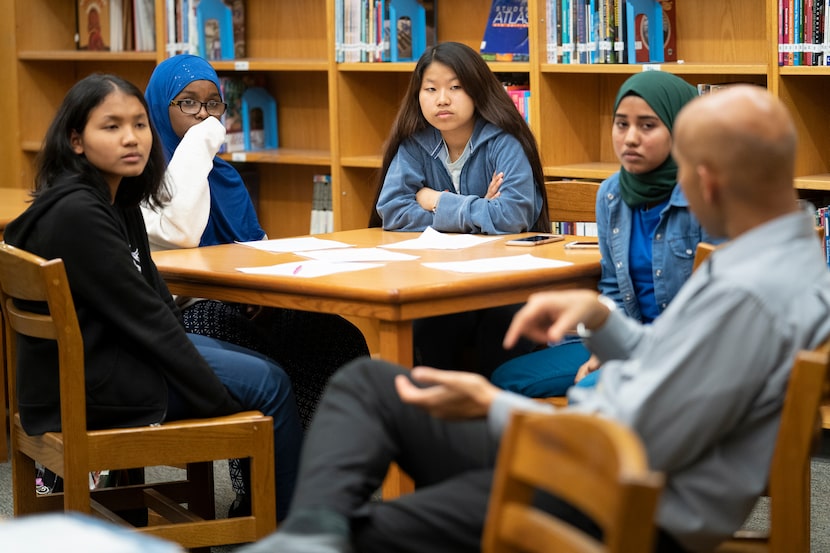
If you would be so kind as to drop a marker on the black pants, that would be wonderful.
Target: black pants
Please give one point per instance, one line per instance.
(360, 427)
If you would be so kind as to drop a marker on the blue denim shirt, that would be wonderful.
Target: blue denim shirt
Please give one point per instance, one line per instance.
(418, 163)
(673, 249)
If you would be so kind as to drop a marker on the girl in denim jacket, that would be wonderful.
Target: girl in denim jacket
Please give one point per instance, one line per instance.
(647, 235)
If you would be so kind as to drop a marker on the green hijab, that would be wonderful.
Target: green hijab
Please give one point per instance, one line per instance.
(665, 94)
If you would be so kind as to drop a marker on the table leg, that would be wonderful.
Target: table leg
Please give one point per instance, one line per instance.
(4, 421)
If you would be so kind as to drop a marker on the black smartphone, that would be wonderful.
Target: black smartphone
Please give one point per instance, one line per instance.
(535, 240)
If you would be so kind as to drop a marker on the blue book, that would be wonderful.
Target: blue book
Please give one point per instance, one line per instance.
(567, 26)
(506, 34)
(644, 27)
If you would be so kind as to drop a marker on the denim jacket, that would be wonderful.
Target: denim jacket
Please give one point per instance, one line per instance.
(418, 163)
(673, 250)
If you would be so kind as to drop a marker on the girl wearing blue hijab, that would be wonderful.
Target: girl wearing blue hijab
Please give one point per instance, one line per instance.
(207, 203)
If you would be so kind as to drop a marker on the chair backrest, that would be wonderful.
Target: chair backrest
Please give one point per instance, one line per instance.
(798, 434)
(572, 201)
(595, 464)
(702, 253)
(31, 281)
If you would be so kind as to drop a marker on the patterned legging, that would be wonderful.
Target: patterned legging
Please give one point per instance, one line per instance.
(309, 346)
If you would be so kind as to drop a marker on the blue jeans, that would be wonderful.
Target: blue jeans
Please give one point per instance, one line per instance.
(257, 382)
(547, 372)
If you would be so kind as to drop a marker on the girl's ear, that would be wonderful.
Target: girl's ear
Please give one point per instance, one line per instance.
(76, 141)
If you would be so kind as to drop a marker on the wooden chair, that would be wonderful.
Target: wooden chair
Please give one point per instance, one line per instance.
(595, 464)
(789, 480)
(75, 452)
(572, 201)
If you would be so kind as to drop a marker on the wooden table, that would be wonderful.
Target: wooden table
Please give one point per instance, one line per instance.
(12, 203)
(394, 294)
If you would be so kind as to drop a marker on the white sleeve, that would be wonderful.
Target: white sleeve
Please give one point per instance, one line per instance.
(181, 222)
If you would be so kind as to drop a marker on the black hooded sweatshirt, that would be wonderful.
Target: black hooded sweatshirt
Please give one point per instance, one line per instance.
(135, 345)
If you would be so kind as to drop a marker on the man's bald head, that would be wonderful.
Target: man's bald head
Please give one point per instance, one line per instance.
(736, 153)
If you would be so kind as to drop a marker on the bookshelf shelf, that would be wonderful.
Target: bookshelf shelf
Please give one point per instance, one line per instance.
(596, 170)
(77, 55)
(802, 71)
(670, 67)
(373, 162)
(334, 118)
(264, 64)
(282, 156)
(813, 182)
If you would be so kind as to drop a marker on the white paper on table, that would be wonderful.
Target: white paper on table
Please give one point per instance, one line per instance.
(300, 244)
(357, 254)
(431, 239)
(496, 264)
(308, 269)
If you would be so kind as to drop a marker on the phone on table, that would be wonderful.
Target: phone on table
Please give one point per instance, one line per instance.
(535, 240)
(581, 245)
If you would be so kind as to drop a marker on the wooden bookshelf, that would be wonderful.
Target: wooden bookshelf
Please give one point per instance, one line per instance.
(334, 118)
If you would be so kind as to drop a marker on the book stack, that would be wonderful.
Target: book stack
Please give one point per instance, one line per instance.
(322, 215)
(115, 25)
(610, 31)
(383, 30)
(199, 26)
(520, 94)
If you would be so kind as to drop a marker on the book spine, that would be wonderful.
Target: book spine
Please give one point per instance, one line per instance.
(789, 34)
(567, 45)
(551, 45)
(798, 39)
(581, 31)
(818, 18)
(781, 55)
(619, 34)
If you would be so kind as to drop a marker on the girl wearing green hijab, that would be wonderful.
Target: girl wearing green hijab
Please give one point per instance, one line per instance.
(647, 235)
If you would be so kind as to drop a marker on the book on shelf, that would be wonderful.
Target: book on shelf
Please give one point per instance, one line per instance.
(574, 229)
(803, 32)
(115, 25)
(233, 87)
(322, 215)
(93, 24)
(611, 31)
(644, 27)
(383, 30)
(519, 92)
(144, 25)
(220, 29)
(506, 33)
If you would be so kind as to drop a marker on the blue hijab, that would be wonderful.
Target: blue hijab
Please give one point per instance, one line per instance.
(232, 215)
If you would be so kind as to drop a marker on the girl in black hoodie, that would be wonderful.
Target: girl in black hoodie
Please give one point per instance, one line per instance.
(100, 159)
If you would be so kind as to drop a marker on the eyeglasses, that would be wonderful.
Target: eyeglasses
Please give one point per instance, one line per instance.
(192, 107)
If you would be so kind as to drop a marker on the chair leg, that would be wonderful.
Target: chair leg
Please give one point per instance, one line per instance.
(23, 485)
(201, 496)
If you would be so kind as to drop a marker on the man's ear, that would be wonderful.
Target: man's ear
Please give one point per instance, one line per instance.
(76, 141)
(709, 189)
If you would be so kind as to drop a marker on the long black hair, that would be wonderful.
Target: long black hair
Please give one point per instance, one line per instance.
(491, 101)
(57, 157)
